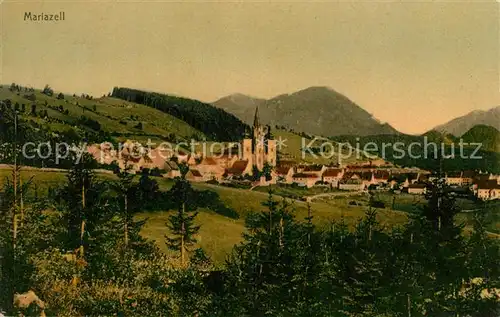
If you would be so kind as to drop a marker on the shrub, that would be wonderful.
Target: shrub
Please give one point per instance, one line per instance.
(48, 91)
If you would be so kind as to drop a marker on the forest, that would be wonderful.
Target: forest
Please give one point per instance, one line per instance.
(215, 123)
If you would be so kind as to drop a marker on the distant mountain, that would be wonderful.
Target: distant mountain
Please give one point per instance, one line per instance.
(242, 106)
(315, 110)
(460, 125)
(215, 123)
(488, 136)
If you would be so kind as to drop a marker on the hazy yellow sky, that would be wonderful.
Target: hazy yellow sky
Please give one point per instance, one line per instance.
(414, 65)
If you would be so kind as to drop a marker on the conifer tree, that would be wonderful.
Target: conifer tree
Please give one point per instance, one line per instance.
(127, 195)
(81, 202)
(437, 264)
(271, 271)
(483, 270)
(182, 223)
(21, 235)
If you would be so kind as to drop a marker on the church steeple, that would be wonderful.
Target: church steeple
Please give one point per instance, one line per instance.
(256, 118)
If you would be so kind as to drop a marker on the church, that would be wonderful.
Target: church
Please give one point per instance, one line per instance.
(261, 147)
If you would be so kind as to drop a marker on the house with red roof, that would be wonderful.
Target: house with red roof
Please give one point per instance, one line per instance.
(306, 179)
(239, 169)
(314, 169)
(381, 176)
(284, 174)
(194, 176)
(368, 178)
(225, 160)
(487, 189)
(351, 181)
(210, 169)
(468, 177)
(171, 170)
(332, 176)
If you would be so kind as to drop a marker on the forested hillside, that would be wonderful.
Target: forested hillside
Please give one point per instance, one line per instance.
(424, 154)
(215, 123)
(94, 119)
(488, 136)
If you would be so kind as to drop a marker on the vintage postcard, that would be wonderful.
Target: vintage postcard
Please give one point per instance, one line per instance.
(250, 158)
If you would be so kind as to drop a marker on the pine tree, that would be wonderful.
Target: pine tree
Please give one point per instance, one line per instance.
(81, 202)
(127, 194)
(182, 224)
(483, 270)
(437, 265)
(22, 234)
(272, 271)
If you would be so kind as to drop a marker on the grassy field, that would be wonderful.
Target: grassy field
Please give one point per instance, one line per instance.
(114, 115)
(293, 144)
(218, 233)
(294, 192)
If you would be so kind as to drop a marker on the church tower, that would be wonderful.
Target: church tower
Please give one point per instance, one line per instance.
(258, 141)
(260, 148)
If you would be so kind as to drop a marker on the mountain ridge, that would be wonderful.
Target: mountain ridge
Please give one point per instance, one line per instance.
(318, 110)
(460, 125)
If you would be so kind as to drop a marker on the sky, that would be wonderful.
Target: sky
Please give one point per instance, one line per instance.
(412, 64)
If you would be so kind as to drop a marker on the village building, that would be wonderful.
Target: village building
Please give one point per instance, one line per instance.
(286, 163)
(171, 170)
(422, 178)
(351, 184)
(468, 177)
(226, 160)
(412, 177)
(317, 170)
(102, 153)
(367, 178)
(156, 158)
(379, 163)
(239, 169)
(194, 176)
(381, 176)
(210, 169)
(305, 179)
(416, 189)
(454, 178)
(486, 176)
(332, 176)
(351, 181)
(284, 174)
(487, 189)
(184, 157)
